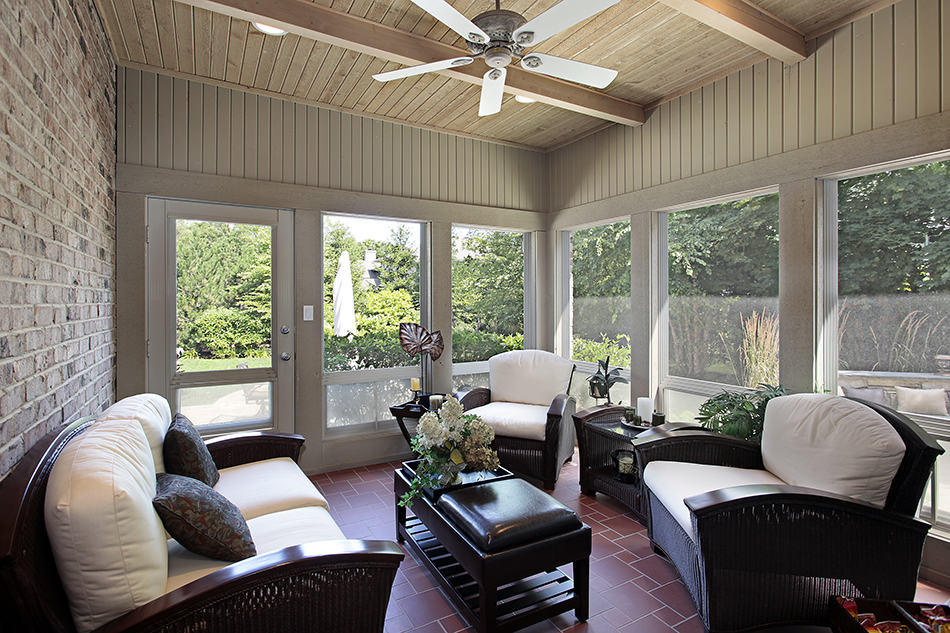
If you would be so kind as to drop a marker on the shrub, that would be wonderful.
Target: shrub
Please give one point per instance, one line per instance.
(469, 345)
(227, 333)
(592, 351)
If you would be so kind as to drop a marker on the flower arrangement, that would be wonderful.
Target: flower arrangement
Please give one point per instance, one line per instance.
(449, 442)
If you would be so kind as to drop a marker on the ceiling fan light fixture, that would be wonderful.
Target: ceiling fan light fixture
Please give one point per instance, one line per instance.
(267, 29)
(521, 99)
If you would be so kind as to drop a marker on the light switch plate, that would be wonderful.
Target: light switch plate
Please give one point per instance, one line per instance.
(308, 313)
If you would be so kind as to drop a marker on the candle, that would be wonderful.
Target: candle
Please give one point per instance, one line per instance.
(435, 403)
(625, 464)
(645, 408)
(414, 384)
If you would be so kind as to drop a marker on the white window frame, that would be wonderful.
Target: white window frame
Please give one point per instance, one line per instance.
(938, 427)
(387, 425)
(661, 316)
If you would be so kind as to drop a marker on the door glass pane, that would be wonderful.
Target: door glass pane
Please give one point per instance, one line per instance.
(362, 310)
(600, 284)
(226, 403)
(487, 293)
(723, 292)
(223, 274)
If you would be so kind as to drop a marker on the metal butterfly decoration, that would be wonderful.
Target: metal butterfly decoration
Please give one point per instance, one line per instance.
(415, 339)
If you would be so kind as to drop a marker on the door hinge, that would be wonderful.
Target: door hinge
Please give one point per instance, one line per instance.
(148, 347)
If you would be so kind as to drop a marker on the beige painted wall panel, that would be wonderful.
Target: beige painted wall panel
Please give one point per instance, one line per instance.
(721, 132)
(928, 57)
(790, 99)
(186, 125)
(861, 75)
(760, 110)
(882, 69)
(806, 102)
(824, 89)
(882, 61)
(842, 106)
(775, 106)
(149, 105)
(905, 57)
(733, 120)
(746, 114)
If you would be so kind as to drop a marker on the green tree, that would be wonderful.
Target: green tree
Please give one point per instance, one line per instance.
(894, 231)
(488, 282)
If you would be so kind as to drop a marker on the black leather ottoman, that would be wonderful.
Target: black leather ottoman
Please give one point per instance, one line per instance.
(495, 547)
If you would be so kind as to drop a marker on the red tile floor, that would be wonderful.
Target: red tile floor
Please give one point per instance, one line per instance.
(631, 588)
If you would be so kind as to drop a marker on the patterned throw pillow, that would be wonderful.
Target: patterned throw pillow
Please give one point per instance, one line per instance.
(202, 519)
(185, 453)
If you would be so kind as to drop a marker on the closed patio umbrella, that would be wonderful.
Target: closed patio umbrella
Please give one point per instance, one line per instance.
(344, 311)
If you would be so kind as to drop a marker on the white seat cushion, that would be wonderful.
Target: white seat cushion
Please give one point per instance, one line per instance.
(831, 443)
(270, 533)
(512, 419)
(107, 539)
(270, 485)
(672, 482)
(152, 412)
(530, 376)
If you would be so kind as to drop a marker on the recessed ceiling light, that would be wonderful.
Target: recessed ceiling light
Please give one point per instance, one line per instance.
(267, 29)
(521, 99)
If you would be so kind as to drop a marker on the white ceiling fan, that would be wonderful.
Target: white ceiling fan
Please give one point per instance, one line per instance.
(499, 36)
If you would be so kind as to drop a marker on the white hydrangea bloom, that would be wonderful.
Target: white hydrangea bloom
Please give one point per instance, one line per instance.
(452, 409)
(430, 430)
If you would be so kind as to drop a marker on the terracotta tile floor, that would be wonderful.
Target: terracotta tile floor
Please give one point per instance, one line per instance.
(632, 589)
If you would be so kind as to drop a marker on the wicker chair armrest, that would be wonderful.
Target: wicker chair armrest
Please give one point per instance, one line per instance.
(322, 586)
(253, 446)
(598, 413)
(698, 447)
(477, 397)
(562, 408)
(792, 530)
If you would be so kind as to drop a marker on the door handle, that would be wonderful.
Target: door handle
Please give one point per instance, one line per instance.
(285, 356)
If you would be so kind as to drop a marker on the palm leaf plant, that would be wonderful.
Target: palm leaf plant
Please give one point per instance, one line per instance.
(739, 413)
(604, 379)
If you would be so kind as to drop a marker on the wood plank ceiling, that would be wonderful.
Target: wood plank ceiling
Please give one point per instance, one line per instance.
(658, 52)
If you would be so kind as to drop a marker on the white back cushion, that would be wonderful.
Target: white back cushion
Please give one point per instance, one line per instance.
(831, 443)
(107, 539)
(152, 412)
(530, 376)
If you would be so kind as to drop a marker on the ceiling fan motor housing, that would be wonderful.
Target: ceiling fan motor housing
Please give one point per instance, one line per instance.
(499, 24)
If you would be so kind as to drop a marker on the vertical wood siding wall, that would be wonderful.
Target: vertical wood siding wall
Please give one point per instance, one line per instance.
(186, 125)
(888, 67)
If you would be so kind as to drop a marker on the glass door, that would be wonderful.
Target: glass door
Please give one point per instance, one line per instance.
(220, 317)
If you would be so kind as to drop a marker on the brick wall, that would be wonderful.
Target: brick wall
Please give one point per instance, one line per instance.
(57, 219)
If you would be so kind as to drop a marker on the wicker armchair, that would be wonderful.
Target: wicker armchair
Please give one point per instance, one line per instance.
(319, 586)
(769, 554)
(520, 381)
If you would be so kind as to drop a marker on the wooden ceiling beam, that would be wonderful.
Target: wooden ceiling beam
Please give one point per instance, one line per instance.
(748, 24)
(317, 22)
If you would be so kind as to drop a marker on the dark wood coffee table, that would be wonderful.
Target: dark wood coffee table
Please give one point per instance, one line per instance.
(498, 591)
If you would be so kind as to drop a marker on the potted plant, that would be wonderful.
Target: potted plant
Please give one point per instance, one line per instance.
(604, 379)
(739, 413)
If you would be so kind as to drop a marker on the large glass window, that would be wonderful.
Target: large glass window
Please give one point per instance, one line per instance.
(371, 284)
(722, 299)
(488, 281)
(600, 303)
(894, 296)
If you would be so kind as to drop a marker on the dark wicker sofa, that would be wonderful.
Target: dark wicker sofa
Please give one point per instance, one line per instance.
(773, 554)
(320, 586)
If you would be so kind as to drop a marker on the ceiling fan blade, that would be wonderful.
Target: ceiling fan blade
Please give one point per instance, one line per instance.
(409, 71)
(579, 72)
(493, 89)
(565, 14)
(449, 16)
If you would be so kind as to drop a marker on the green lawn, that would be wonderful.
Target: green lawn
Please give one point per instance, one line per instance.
(210, 364)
